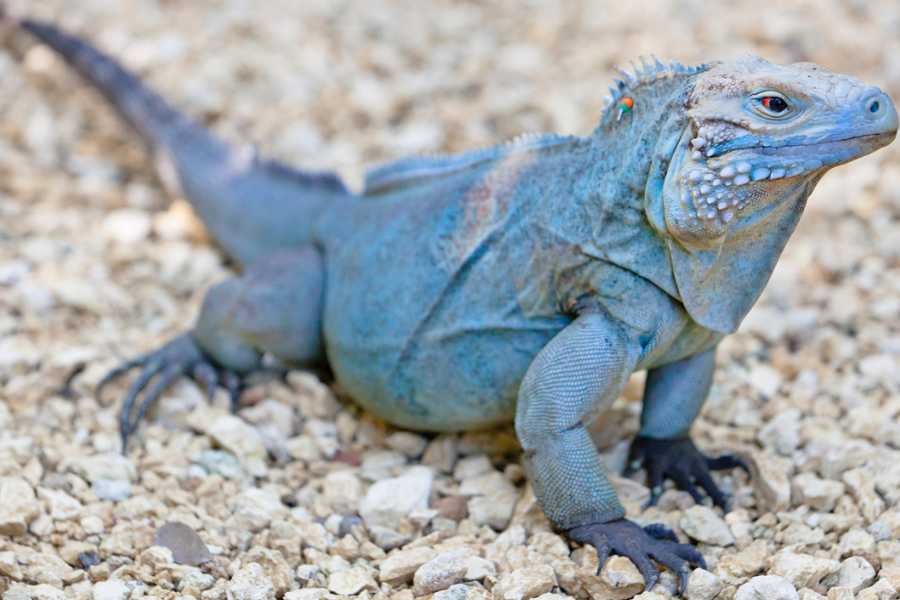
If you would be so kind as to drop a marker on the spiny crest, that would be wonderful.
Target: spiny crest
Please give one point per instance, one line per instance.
(646, 72)
(404, 171)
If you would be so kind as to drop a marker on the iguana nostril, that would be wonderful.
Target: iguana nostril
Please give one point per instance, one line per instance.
(874, 106)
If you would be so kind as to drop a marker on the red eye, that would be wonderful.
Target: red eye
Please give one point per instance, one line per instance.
(774, 103)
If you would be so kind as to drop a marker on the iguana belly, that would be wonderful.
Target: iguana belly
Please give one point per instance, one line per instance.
(444, 381)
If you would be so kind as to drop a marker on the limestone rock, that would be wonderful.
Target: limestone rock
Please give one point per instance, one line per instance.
(820, 494)
(342, 491)
(802, 570)
(250, 583)
(882, 590)
(110, 465)
(112, 589)
(525, 583)
(18, 506)
(854, 573)
(771, 479)
(442, 571)
(705, 525)
(703, 585)
(400, 566)
(350, 581)
(493, 499)
(767, 587)
(390, 500)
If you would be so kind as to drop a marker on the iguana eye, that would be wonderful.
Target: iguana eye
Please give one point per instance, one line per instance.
(771, 104)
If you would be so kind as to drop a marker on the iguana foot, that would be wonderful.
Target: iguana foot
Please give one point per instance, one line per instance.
(642, 545)
(680, 461)
(159, 370)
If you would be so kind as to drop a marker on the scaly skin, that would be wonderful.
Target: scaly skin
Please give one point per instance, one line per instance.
(525, 281)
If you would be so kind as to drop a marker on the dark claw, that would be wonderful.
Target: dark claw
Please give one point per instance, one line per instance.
(125, 422)
(646, 567)
(712, 490)
(206, 374)
(162, 383)
(691, 554)
(640, 545)
(681, 461)
(233, 385)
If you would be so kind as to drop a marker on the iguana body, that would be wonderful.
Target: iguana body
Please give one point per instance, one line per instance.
(525, 281)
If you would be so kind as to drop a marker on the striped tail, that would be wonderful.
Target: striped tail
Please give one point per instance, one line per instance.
(251, 206)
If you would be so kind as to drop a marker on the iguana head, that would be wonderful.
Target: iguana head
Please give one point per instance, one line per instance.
(759, 134)
(722, 158)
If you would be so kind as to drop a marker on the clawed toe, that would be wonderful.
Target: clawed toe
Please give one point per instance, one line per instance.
(661, 532)
(642, 546)
(726, 462)
(688, 468)
(159, 370)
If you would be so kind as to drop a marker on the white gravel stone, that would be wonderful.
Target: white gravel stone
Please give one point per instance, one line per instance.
(442, 571)
(703, 585)
(127, 226)
(234, 435)
(771, 479)
(308, 594)
(472, 466)
(705, 525)
(113, 490)
(400, 566)
(18, 506)
(45, 592)
(342, 491)
(250, 583)
(854, 573)
(882, 590)
(111, 465)
(857, 542)
(390, 500)
(350, 581)
(802, 570)
(113, 589)
(409, 444)
(61, 506)
(820, 494)
(526, 583)
(767, 587)
(493, 499)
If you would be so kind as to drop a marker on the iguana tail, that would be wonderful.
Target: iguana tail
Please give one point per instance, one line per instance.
(251, 206)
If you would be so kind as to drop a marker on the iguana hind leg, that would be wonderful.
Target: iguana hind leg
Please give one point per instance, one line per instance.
(274, 307)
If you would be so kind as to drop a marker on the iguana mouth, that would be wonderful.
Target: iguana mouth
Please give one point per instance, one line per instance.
(763, 146)
(875, 137)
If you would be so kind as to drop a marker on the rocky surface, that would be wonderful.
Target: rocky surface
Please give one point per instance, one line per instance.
(305, 497)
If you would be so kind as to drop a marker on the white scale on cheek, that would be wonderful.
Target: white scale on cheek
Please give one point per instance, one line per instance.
(710, 194)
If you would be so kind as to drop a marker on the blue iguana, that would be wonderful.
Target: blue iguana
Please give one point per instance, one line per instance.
(526, 281)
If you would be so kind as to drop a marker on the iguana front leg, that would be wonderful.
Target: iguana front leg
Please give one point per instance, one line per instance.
(580, 372)
(673, 397)
(274, 307)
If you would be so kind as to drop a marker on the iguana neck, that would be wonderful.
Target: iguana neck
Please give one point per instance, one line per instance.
(627, 155)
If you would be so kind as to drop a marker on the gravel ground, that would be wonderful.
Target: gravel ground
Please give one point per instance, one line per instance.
(304, 496)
